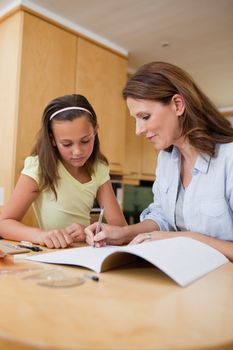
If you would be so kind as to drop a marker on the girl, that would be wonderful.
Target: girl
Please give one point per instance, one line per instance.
(193, 191)
(64, 174)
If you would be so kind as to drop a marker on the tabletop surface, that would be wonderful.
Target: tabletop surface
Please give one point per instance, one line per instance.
(132, 307)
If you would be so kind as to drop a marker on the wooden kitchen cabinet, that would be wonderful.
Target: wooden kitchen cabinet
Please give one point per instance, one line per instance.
(39, 61)
(133, 149)
(140, 155)
(101, 76)
(43, 68)
(47, 71)
(149, 157)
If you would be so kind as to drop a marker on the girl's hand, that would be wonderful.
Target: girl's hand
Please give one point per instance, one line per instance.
(76, 232)
(108, 234)
(55, 239)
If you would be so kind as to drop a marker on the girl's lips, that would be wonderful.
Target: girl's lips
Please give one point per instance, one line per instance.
(78, 159)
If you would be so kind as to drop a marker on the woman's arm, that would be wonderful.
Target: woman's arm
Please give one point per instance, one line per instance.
(24, 194)
(224, 247)
(116, 235)
(116, 232)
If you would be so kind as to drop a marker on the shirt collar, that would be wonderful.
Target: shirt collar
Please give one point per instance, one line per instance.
(202, 162)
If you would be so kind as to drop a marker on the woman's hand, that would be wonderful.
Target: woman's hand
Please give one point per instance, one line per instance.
(151, 236)
(76, 232)
(109, 234)
(54, 239)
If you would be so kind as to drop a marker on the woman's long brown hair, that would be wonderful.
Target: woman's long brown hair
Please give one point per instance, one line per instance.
(201, 122)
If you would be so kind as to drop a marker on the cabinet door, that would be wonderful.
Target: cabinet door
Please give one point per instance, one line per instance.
(133, 149)
(140, 155)
(149, 156)
(101, 76)
(10, 45)
(47, 71)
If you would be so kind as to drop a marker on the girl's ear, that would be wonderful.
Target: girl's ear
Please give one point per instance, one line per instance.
(179, 104)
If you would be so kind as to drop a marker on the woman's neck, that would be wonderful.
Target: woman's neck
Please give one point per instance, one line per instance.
(188, 159)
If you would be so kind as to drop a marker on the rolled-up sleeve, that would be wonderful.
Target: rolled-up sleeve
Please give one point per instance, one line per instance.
(154, 211)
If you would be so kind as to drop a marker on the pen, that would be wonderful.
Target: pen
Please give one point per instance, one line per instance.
(92, 277)
(2, 254)
(34, 249)
(98, 227)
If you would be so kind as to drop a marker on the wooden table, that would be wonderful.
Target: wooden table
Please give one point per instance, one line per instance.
(132, 307)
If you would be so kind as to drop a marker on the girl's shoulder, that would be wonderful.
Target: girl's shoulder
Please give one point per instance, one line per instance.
(101, 166)
(31, 167)
(31, 161)
(101, 172)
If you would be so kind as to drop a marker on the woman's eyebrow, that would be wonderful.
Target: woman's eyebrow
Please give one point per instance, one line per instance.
(139, 114)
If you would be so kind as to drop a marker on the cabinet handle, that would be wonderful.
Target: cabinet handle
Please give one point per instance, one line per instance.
(114, 163)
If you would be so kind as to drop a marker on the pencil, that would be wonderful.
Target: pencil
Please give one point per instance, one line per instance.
(98, 227)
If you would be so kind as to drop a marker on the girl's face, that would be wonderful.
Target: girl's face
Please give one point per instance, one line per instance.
(74, 140)
(159, 123)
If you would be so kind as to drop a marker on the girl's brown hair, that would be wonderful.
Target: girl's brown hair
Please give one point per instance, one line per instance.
(48, 154)
(201, 122)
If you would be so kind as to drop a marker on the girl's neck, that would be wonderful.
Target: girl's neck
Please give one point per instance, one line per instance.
(81, 174)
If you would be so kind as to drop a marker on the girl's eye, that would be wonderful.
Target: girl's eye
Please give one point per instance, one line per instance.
(85, 141)
(66, 144)
(146, 117)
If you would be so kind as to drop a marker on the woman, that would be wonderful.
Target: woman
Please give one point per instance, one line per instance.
(193, 191)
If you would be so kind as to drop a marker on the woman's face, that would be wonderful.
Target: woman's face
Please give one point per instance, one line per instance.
(74, 140)
(159, 123)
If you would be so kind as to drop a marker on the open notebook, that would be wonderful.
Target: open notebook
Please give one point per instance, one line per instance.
(181, 258)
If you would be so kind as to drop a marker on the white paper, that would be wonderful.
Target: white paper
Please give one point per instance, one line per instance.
(183, 259)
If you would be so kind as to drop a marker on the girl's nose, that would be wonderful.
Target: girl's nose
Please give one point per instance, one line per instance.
(76, 151)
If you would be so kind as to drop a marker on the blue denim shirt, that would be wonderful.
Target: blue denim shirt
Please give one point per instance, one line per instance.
(208, 200)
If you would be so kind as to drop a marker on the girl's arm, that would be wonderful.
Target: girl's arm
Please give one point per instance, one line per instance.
(116, 232)
(112, 211)
(24, 194)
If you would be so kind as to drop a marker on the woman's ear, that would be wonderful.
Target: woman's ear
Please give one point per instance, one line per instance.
(179, 104)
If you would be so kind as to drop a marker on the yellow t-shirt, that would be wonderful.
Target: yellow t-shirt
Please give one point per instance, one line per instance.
(74, 199)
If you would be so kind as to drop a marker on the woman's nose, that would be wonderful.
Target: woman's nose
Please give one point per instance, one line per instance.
(139, 127)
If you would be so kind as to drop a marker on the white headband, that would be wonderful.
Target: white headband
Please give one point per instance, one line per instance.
(67, 109)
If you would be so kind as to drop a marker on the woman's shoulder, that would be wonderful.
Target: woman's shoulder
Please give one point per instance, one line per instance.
(225, 150)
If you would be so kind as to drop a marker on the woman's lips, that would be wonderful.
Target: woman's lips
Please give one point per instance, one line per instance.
(151, 138)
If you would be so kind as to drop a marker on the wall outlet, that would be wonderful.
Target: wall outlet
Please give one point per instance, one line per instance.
(1, 196)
